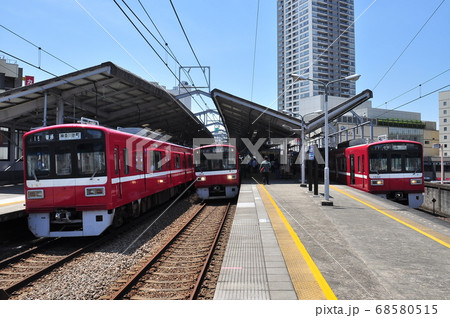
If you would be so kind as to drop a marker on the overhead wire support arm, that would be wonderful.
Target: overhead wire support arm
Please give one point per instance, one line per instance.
(187, 38)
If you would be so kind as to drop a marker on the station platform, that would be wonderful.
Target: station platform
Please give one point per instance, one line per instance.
(12, 202)
(285, 244)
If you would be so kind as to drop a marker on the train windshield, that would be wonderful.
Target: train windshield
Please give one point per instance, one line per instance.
(59, 153)
(395, 158)
(215, 158)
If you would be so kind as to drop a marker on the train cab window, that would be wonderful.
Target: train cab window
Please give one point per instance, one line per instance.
(38, 162)
(378, 162)
(91, 159)
(396, 162)
(413, 163)
(63, 162)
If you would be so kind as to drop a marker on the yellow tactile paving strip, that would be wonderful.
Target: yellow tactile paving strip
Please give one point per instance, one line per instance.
(11, 203)
(435, 236)
(307, 280)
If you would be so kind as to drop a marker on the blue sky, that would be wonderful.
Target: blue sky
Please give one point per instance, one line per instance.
(222, 34)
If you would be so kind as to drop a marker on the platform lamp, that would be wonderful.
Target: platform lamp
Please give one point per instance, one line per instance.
(326, 171)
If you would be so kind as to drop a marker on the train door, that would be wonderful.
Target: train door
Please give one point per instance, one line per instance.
(117, 171)
(185, 167)
(352, 169)
(363, 170)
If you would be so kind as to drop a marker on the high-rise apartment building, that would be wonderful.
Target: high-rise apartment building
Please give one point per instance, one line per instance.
(444, 121)
(316, 39)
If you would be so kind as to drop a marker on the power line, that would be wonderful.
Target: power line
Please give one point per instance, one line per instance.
(28, 63)
(413, 100)
(407, 46)
(171, 54)
(115, 40)
(420, 85)
(151, 46)
(254, 50)
(189, 42)
(38, 47)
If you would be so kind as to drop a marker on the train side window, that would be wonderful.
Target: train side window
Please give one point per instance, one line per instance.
(126, 164)
(359, 164)
(177, 161)
(139, 161)
(156, 161)
(188, 161)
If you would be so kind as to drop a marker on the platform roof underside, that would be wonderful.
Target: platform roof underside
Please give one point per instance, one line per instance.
(244, 119)
(106, 93)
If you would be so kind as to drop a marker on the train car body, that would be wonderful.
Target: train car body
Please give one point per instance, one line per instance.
(392, 169)
(81, 179)
(217, 171)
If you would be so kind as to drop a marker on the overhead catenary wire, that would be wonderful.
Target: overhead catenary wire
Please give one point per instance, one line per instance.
(154, 50)
(38, 47)
(417, 86)
(254, 51)
(189, 42)
(413, 100)
(165, 47)
(408, 45)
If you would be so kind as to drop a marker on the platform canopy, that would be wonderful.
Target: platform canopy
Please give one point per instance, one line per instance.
(245, 119)
(106, 93)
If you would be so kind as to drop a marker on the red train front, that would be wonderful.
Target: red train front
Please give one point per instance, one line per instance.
(217, 171)
(392, 169)
(81, 179)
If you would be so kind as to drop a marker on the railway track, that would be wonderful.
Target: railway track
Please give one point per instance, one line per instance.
(177, 269)
(28, 266)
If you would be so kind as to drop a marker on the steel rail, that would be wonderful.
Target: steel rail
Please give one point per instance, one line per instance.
(132, 281)
(203, 271)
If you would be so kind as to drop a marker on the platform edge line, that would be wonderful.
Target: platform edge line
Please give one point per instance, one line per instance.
(326, 289)
(394, 218)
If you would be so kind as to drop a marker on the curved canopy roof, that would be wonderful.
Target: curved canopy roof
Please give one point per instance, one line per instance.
(245, 119)
(106, 93)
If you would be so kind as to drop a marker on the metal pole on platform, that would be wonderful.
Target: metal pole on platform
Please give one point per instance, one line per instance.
(326, 171)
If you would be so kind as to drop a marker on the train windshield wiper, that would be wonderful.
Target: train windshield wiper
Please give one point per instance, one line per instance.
(34, 175)
(95, 172)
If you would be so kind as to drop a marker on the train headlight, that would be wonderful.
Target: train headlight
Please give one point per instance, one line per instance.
(201, 178)
(35, 194)
(95, 192)
(377, 182)
(231, 177)
(415, 181)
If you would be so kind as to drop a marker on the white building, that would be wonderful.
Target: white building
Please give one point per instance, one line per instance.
(444, 121)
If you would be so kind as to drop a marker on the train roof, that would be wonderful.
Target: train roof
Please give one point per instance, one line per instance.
(142, 132)
(363, 142)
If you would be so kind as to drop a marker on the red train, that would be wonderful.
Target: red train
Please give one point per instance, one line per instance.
(392, 169)
(81, 179)
(217, 171)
